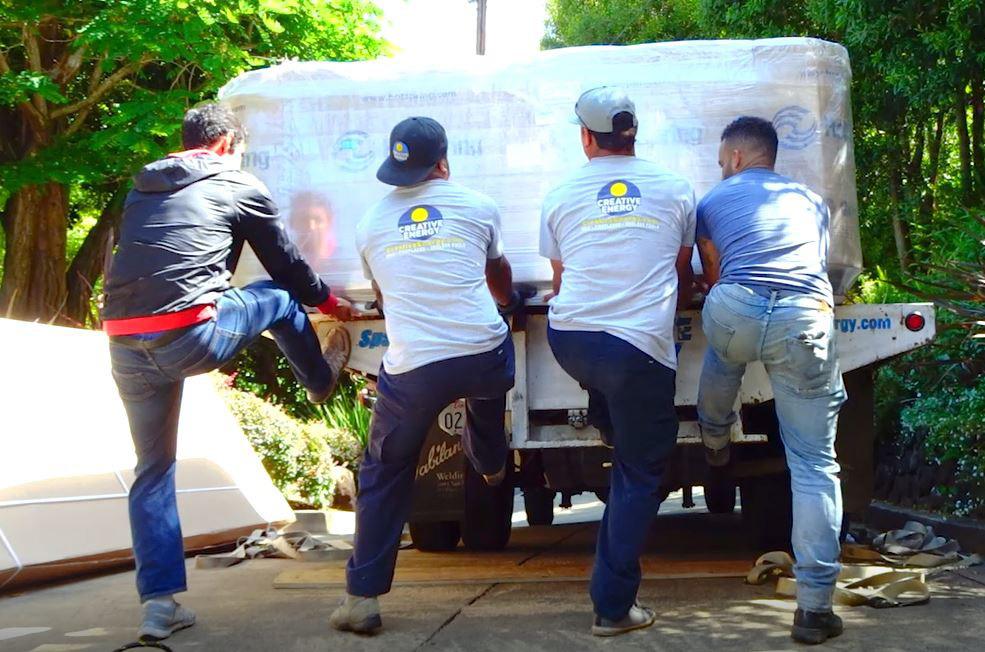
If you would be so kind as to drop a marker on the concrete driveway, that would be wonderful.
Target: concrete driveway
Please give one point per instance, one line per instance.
(239, 610)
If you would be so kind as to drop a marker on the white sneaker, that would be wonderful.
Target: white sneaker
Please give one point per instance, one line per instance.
(637, 618)
(357, 614)
(338, 346)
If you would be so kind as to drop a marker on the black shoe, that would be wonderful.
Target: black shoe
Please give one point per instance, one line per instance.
(814, 627)
(720, 457)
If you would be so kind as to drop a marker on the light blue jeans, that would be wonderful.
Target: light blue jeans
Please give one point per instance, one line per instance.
(793, 335)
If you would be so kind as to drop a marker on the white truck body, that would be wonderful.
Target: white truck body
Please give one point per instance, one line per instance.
(867, 333)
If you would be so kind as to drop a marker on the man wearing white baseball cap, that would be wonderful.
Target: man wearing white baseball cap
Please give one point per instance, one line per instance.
(619, 234)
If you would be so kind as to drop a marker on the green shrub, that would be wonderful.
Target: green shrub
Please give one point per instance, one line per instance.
(345, 413)
(950, 422)
(347, 449)
(297, 456)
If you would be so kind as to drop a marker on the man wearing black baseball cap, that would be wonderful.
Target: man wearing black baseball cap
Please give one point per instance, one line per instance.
(611, 327)
(434, 252)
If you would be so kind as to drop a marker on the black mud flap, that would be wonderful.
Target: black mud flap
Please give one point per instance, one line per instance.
(439, 485)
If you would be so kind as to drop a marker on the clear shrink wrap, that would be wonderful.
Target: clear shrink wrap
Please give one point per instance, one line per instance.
(318, 131)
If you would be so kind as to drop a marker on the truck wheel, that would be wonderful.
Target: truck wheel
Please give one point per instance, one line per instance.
(767, 510)
(435, 536)
(488, 518)
(720, 496)
(539, 505)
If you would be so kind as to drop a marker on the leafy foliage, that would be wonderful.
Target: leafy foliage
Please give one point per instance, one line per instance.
(297, 456)
(263, 371)
(344, 412)
(90, 90)
(950, 423)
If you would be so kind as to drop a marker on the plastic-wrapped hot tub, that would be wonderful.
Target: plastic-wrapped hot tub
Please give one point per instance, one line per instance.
(317, 132)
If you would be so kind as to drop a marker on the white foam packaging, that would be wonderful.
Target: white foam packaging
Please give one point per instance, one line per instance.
(318, 131)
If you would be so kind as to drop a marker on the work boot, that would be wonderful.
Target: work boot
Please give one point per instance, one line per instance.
(163, 617)
(814, 627)
(357, 614)
(495, 479)
(336, 354)
(637, 618)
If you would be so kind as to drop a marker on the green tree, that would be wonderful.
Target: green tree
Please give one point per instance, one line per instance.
(917, 94)
(92, 89)
(621, 22)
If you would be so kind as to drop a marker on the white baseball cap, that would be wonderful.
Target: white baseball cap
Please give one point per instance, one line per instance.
(596, 108)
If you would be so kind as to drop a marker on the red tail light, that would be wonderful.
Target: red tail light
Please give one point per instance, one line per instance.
(914, 322)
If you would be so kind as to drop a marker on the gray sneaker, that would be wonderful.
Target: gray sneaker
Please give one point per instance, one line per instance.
(357, 614)
(161, 620)
(638, 617)
(336, 354)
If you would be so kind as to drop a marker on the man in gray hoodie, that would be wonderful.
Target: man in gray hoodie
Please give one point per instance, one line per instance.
(171, 313)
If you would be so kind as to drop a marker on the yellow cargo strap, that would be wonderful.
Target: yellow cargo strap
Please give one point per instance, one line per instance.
(870, 585)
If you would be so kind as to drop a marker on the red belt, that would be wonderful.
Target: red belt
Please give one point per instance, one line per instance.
(156, 323)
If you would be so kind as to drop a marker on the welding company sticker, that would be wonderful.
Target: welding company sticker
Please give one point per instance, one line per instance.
(619, 198)
(420, 223)
(400, 151)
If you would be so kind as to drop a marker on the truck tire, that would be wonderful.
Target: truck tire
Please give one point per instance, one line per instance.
(435, 536)
(767, 511)
(538, 502)
(488, 519)
(720, 496)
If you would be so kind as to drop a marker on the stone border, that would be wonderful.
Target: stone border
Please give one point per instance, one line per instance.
(970, 533)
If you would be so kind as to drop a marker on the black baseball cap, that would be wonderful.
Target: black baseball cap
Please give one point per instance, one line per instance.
(416, 146)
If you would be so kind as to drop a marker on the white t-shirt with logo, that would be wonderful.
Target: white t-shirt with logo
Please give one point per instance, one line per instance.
(426, 247)
(617, 225)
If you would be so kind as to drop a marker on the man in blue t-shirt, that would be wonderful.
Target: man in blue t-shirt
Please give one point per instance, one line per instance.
(763, 240)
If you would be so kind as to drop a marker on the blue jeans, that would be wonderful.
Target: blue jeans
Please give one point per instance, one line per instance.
(150, 375)
(793, 335)
(407, 405)
(635, 394)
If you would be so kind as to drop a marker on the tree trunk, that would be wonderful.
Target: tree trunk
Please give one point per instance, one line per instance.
(927, 202)
(900, 228)
(914, 170)
(34, 264)
(87, 266)
(964, 144)
(977, 133)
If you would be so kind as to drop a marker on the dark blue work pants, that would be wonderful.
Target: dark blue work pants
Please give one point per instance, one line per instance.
(407, 405)
(636, 394)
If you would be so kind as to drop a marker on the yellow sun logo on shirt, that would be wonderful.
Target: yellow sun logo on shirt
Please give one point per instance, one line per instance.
(619, 197)
(421, 222)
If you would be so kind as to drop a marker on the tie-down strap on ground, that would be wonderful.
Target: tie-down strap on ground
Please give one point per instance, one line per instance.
(301, 546)
(873, 585)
